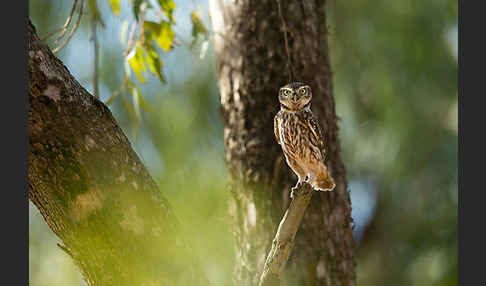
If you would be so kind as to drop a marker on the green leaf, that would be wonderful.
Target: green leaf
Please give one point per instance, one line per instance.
(129, 109)
(136, 102)
(198, 27)
(127, 68)
(144, 104)
(115, 6)
(161, 32)
(168, 7)
(133, 118)
(154, 62)
(133, 88)
(124, 32)
(136, 8)
(137, 62)
(93, 8)
(110, 100)
(204, 49)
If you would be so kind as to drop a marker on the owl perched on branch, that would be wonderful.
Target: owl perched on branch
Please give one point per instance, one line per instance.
(300, 137)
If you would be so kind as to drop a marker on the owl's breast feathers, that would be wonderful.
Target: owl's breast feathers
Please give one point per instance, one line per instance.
(299, 135)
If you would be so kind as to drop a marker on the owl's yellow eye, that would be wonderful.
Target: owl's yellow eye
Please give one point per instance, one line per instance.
(287, 92)
(303, 91)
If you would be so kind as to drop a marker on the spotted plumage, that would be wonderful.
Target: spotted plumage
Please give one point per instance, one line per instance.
(300, 137)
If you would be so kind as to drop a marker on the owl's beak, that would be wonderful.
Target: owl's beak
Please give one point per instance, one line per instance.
(294, 97)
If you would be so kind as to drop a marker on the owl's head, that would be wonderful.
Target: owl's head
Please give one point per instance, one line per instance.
(295, 96)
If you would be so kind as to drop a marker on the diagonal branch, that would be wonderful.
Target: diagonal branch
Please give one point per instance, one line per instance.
(284, 238)
(93, 190)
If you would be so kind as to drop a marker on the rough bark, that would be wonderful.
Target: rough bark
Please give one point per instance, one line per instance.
(92, 189)
(251, 62)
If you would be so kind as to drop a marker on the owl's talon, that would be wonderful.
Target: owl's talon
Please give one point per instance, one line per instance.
(295, 189)
(292, 193)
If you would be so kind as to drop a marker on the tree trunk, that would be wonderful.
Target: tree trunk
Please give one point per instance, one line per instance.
(251, 63)
(92, 189)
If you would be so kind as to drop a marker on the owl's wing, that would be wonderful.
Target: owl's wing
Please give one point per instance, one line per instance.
(275, 128)
(316, 133)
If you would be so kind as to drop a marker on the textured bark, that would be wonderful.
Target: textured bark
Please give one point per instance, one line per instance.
(251, 63)
(92, 189)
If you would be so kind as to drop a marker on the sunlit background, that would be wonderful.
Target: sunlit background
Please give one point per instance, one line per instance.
(395, 84)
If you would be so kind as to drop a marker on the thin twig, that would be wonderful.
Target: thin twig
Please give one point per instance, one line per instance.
(284, 238)
(131, 39)
(68, 22)
(290, 68)
(96, 56)
(140, 36)
(118, 91)
(76, 25)
(64, 28)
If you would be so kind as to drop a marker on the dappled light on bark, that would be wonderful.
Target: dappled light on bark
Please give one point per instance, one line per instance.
(92, 189)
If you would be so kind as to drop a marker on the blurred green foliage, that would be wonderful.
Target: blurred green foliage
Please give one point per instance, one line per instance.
(395, 84)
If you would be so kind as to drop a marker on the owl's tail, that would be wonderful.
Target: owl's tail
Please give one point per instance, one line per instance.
(322, 180)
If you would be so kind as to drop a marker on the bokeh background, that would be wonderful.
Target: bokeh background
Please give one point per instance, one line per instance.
(395, 85)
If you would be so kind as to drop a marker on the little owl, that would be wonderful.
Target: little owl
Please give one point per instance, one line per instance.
(300, 137)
